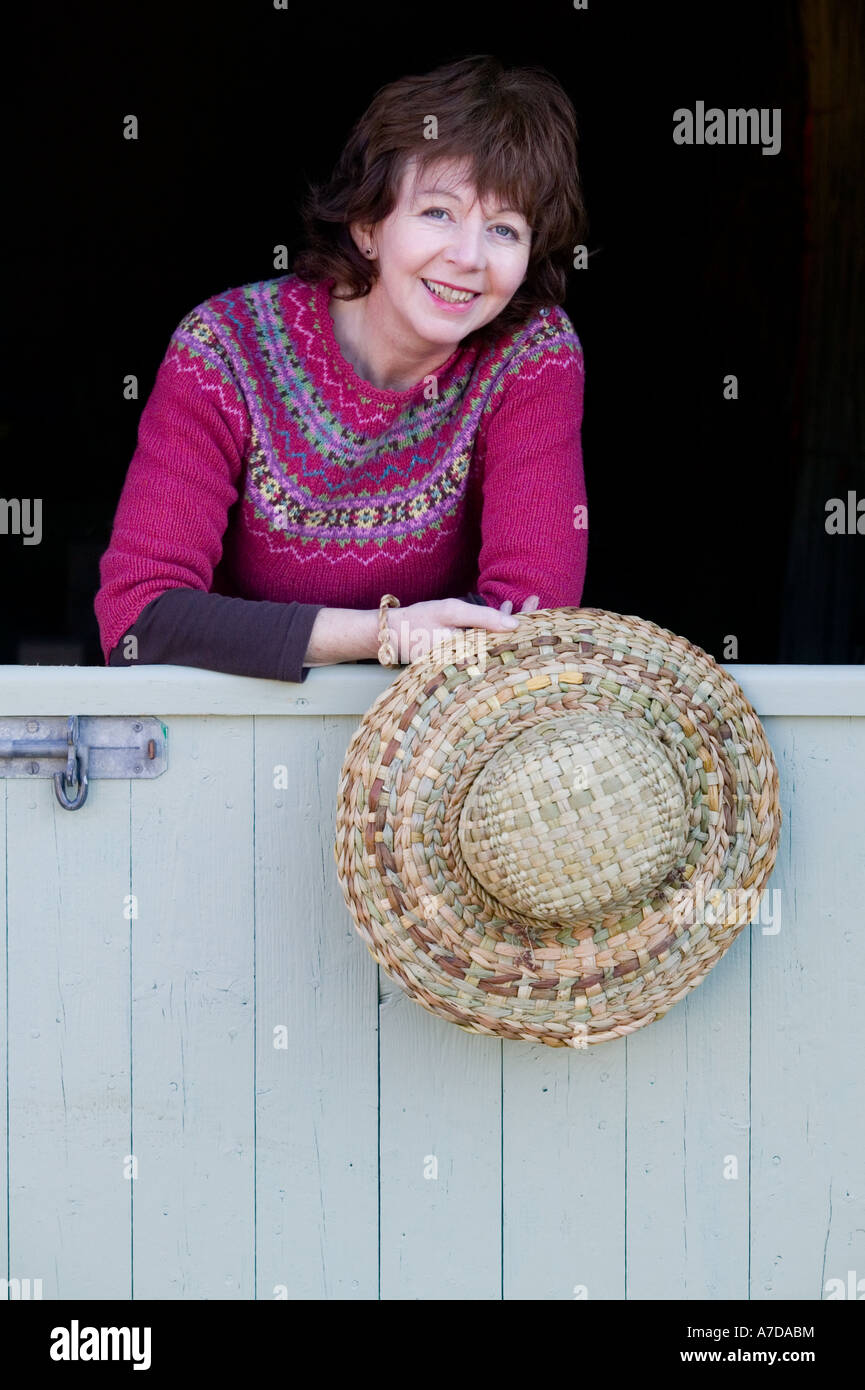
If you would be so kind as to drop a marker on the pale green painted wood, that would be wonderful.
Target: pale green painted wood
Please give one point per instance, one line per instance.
(807, 1011)
(555, 1168)
(317, 1097)
(5, 1272)
(715, 1133)
(69, 1111)
(564, 1167)
(440, 1114)
(347, 688)
(193, 1016)
(655, 1168)
(687, 1090)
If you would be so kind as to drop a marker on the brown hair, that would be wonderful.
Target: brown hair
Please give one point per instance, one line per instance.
(518, 129)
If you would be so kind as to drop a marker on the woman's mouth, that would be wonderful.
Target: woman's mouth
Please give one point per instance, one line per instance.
(455, 300)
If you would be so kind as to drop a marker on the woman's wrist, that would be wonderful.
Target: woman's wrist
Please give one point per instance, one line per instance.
(342, 634)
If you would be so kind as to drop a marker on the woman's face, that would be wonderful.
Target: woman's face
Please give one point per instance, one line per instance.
(438, 233)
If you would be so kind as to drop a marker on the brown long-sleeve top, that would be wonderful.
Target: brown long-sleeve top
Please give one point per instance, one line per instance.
(243, 637)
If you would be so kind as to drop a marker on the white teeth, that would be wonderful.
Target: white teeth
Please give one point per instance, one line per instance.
(452, 296)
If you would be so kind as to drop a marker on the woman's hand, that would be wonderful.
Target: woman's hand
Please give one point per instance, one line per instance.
(415, 628)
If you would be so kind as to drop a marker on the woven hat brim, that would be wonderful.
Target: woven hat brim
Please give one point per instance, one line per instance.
(436, 929)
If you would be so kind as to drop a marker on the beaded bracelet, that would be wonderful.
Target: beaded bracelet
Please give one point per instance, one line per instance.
(387, 654)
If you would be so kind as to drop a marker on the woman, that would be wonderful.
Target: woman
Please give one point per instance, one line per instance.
(399, 416)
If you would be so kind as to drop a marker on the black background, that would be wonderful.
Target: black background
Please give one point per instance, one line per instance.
(698, 273)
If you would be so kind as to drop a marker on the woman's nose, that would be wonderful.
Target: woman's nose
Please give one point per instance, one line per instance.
(466, 246)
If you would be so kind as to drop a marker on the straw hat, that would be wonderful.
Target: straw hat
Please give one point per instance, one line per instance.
(556, 834)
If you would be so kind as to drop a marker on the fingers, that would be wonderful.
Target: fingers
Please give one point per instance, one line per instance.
(462, 614)
(529, 606)
(494, 619)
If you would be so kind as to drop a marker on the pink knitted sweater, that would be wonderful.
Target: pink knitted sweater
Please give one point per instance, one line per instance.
(266, 469)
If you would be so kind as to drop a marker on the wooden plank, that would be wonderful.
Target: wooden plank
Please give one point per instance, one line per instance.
(192, 1016)
(715, 1127)
(656, 1071)
(441, 1145)
(687, 1077)
(564, 1166)
(808, 1002)
(348, 688)
(345, 688)
(69, 1103)
(5, 1272)
(316, 1030)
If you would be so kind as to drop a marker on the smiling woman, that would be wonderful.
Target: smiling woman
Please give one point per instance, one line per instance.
(398, 418)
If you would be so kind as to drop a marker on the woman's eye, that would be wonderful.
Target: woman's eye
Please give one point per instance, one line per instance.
(512, 235)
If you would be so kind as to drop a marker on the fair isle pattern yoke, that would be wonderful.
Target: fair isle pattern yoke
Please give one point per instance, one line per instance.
(311, 451)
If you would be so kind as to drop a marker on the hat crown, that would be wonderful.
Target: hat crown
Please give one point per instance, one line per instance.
(578, 817)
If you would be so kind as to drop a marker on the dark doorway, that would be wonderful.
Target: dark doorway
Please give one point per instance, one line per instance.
(706, 514)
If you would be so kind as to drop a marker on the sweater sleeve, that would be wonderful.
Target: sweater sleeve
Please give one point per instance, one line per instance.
(242, 637)
(168, 531)
(534, 532)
